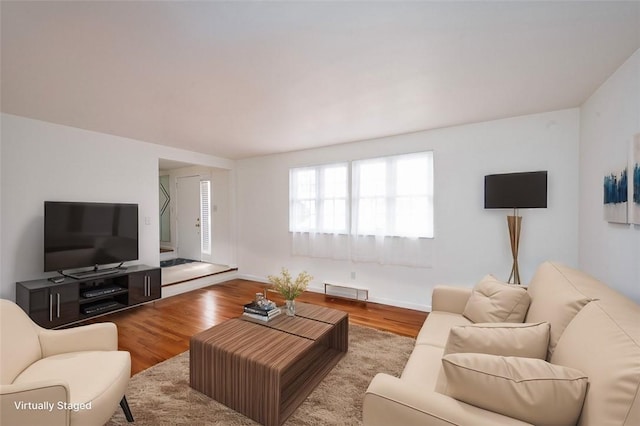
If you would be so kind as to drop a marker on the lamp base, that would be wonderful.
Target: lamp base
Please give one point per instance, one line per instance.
(515, 224)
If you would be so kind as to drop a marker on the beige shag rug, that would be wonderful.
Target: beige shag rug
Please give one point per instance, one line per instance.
(161, 394)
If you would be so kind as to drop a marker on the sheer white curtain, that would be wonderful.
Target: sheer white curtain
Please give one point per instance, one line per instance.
(318, 211)
(387, 218)
(392, 210)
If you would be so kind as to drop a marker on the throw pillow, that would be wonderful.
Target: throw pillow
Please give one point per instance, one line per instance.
(528, 340)
(494, 301)
(531, 390)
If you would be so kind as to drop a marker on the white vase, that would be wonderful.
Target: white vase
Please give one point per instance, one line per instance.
(290, 308)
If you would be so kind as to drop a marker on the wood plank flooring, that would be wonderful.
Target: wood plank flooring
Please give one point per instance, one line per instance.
(160, 330)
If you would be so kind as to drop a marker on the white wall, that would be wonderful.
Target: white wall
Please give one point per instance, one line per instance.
(470, 241)
(222, 217)
(608, 121)
(43, 161)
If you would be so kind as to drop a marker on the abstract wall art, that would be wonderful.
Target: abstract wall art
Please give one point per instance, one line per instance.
(634, 172)
(616, 196)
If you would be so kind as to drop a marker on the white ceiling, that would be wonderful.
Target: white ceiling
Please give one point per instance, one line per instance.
(240, 79)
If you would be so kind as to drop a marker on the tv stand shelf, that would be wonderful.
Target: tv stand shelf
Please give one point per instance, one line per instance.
(53, 305)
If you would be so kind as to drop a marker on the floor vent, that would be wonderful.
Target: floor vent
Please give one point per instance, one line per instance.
(346, 291)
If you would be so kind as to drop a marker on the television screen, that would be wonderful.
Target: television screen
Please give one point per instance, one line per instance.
(526, 190)
(78, 235)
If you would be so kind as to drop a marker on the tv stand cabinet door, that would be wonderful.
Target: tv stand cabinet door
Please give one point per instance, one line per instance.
(155, 283)
(54, 306)
(144, 286)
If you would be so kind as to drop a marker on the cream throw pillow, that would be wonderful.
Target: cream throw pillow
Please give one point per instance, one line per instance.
(494, 301)
(528, 340)
(531, 390)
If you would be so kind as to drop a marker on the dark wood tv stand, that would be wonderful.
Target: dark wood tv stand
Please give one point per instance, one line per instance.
(53, 305)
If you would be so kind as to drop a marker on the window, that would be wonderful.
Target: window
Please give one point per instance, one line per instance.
(205, 214)
(319, 199)
(390, 197)
(393, 196)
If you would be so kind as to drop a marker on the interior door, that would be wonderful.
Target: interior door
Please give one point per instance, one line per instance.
(188, 212)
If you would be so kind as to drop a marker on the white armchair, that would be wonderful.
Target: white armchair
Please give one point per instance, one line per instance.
(66, 377)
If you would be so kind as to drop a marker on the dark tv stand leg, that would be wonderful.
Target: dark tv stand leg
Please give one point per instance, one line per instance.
(125, 408)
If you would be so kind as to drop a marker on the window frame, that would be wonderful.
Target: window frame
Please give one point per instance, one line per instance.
(389, 198)
(205, 217)
(319, 199)
(391, 195)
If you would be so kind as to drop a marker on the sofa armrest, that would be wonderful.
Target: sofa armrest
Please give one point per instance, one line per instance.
(450, 299)
(35, 403)
(92, 337)
(390, 400)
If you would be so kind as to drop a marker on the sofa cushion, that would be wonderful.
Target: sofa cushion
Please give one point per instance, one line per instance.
(555, 299)
(527, 389)
(435, 330)
(528, 340)
(495, 301)
(605, 345)
(423, 366)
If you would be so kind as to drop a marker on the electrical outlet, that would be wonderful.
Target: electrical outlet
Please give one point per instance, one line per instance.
(353, 275)
(147, 220)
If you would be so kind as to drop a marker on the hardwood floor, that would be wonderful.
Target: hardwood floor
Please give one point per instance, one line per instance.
(160, 330)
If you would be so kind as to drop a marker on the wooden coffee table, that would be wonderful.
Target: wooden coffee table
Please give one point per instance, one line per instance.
(266, 370)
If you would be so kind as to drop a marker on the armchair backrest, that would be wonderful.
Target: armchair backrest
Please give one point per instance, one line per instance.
(20, 343)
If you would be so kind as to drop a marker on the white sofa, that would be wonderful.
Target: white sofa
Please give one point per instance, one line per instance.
(593, 329)
(66, 377)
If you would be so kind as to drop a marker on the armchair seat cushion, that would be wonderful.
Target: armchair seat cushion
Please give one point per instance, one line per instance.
(96, 377)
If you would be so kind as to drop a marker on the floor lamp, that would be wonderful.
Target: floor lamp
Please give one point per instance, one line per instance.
(515, 225)
(525, 190)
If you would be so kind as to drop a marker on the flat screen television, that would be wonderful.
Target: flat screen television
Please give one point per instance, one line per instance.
(78, 235)
(526, 190)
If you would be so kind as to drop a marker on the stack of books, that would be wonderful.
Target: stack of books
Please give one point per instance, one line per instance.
(262, 312)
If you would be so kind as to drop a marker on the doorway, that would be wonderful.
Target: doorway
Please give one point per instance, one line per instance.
(200, 238)
(189, 245)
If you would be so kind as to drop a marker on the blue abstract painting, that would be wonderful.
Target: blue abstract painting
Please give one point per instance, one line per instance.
(636, 183)
(616, 196)
(634, 202)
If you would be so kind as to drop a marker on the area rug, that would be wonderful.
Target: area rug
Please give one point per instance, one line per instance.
(161, 394)
(175, 262)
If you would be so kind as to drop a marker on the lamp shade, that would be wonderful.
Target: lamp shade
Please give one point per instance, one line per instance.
(526, 190)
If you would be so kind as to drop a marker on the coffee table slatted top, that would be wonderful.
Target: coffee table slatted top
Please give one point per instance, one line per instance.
(301, 327)
(266, 369)
(256, 342)
(320, 313)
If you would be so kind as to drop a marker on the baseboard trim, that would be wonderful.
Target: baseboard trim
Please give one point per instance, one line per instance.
(380, 300)
(400, 304)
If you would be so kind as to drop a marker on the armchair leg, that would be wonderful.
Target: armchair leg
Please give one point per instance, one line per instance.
(125, 408)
